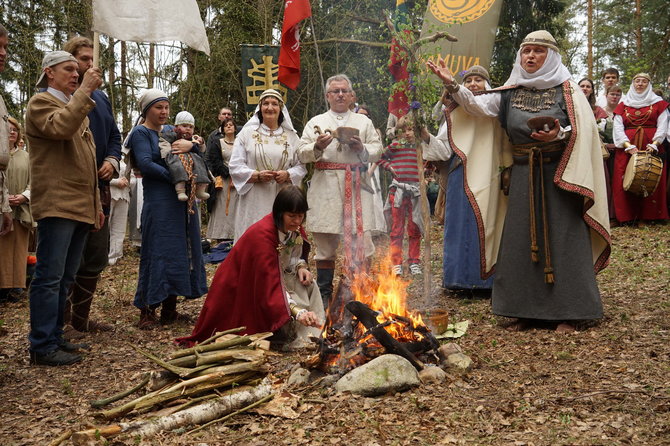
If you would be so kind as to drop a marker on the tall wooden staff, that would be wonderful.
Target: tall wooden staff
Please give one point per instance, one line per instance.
(96, 49)
(412, 49)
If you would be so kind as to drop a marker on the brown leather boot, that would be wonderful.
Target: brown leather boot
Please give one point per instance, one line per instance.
(69, 332)
(148, 319)
(81, 297)
(169, 314)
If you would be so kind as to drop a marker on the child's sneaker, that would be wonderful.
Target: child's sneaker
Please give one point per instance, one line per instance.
(397, 270)
(201, 194)
(415, 268)
(181, 196)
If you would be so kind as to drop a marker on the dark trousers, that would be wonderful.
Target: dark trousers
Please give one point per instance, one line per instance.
(60, 243)
(95, 257)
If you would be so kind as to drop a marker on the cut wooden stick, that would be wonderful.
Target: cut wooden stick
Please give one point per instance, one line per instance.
(222, 333)
(244, 409)
(222, 371)
(119, 396)
(225, 355)
(237, 341)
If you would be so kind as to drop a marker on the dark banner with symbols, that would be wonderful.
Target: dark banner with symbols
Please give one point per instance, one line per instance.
(259, 72)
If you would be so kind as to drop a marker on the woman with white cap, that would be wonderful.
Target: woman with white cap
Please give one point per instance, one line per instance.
(264, 160)
(171, 262)
(640, 123)
(460, 261)
(550, 236)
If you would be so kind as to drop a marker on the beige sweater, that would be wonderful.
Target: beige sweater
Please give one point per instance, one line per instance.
(62, 158)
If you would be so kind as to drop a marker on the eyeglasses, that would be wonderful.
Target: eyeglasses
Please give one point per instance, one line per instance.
(12, 130)
(340, 91)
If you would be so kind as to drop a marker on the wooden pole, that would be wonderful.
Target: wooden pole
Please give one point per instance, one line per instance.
(152, 61)
(318, 60)
(589, 45)
(638, 29)
(96, 49)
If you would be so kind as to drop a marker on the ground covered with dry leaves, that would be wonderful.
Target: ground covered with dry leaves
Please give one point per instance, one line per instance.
(609, 384)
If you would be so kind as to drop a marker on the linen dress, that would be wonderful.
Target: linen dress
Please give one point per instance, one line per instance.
(14, 244)
(258, 148)
(171, 256)
(222, 221)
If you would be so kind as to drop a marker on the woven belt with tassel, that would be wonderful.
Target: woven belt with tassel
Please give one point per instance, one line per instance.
(533, 154)
(352, 188)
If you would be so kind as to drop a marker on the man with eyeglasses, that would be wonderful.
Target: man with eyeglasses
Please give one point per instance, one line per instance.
(340, 194)
(64, 195)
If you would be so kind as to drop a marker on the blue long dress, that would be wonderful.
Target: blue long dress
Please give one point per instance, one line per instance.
(461, 270)
(171, 257)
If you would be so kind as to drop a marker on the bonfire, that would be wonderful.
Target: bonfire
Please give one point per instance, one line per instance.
(368, 317)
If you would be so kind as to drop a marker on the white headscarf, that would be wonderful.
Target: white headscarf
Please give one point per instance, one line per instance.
(639, 100)
(550, 74)
(286, 124)
(255, 121)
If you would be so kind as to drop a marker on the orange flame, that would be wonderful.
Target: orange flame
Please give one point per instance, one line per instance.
(387, 293)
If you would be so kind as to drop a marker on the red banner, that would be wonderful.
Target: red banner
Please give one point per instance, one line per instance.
(295, 11)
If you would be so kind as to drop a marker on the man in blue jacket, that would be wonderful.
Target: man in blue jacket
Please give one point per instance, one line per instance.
(108, 154)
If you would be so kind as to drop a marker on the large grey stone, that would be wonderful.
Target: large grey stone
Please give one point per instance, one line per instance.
(432, 374)
(387, 373)
(299, 377)
(458, 361)
(448, 349)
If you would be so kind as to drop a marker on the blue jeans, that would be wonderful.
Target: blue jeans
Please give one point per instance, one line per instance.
(60, 243)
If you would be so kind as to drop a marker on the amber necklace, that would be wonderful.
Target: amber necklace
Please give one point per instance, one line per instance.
(638, 118)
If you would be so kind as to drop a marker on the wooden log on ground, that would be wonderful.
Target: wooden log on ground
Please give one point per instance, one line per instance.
(368, 318)
(227, 355)
(203, 413)
(237, 341)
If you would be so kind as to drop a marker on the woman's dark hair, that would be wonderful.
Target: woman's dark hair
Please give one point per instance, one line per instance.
(289, 199)
(592, 96)
(226, 121)
(281, 113)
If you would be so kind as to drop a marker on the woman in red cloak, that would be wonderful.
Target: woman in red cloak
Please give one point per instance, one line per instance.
(264, 284)
(640, 123)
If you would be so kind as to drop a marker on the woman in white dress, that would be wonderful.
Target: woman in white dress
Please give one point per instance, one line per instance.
(264, 160)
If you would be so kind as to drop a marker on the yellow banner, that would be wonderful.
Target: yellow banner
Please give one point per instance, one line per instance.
(472, 22)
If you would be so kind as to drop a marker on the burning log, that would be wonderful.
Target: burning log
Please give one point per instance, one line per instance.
(368, 318)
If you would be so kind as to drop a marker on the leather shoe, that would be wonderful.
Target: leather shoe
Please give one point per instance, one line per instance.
(57, 357)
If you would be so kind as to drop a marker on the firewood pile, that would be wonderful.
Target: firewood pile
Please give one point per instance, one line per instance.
(220, 377)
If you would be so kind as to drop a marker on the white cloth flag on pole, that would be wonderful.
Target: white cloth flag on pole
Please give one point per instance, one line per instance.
(151, 21)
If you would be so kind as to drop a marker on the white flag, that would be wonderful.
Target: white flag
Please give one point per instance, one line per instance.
(151, 21)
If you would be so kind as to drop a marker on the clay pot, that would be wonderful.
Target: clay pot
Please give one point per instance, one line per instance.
(437, 320)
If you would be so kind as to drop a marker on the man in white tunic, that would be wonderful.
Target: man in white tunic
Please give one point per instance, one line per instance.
(340, 186)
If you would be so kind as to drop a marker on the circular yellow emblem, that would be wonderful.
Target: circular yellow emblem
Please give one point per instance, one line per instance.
(459, 11)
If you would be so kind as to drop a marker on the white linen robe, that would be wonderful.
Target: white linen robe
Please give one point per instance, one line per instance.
(326, 191)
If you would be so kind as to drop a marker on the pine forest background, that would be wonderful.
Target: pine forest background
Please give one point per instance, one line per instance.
(352, 38)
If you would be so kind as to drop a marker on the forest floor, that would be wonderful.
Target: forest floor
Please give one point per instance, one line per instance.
(606, 385)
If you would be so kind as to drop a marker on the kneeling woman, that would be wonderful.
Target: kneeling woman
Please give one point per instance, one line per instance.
(264, 283)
